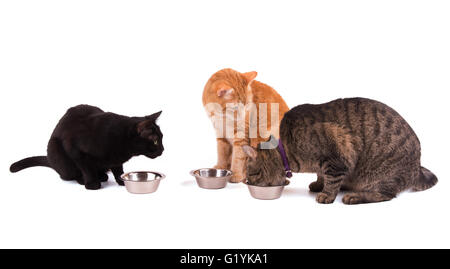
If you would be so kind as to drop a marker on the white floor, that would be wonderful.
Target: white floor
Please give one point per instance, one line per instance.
(39, 210)
(136, 59)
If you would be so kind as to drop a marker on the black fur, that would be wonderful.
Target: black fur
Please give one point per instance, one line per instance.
(88, 142)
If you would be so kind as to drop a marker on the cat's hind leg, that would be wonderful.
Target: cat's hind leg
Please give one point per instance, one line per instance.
(90, 175)
(61, 162)
(375, 191)
(378, 182)
(354, 198)
(89, 172)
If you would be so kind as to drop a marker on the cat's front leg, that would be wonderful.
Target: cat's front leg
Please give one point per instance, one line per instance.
(334, 172)
(224, 151)
(238, 161)
(117, 172)
(330, 190)
(317, 186)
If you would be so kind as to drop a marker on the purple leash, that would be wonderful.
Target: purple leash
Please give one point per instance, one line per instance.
(287, 168)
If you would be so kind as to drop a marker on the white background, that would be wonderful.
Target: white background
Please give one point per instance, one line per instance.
(138, 57)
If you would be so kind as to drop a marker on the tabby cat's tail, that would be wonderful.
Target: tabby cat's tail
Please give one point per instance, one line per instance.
(425, 181)
(29, 162)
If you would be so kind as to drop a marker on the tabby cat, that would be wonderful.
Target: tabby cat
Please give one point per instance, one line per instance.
(231, 98)
(88, 142)
(358, 145)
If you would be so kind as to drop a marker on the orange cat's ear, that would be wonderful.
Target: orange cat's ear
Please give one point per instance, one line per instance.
(249, 76)
(224, 92)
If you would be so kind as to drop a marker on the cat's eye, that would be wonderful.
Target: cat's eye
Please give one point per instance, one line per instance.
(155, 142)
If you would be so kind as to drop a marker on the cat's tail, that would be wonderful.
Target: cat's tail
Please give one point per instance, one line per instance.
(425, 181)
(29, 162)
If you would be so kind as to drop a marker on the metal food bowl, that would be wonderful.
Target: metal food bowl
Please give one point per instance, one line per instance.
(142, 182)
(209, 178)
(266, 193)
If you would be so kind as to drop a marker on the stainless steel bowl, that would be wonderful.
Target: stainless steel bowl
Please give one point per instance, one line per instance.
(142, 182)
(209, 178)
(266, 193)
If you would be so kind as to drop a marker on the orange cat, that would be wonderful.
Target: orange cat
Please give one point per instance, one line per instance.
(244, 112)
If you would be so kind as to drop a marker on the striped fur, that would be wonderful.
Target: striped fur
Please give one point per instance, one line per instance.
(354, 144)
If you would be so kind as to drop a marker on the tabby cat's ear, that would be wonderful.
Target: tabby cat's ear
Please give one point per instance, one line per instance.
(249, 76)
(251, 152)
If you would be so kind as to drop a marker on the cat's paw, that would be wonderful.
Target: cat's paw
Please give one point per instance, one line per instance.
(351, 199)
(93, 185)
(120, 182)
(237, 178)
(316, 186)
(324, 198)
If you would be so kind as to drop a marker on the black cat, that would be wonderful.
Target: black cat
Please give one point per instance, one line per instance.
(88, 142)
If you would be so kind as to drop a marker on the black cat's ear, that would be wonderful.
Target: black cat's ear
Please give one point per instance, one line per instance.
(147, 122)
(143, 125)
(153, 117)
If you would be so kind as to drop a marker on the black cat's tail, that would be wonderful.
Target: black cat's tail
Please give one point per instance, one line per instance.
(425, 181)
(29, 162)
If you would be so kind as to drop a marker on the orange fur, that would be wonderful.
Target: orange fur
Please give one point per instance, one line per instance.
(229, 86)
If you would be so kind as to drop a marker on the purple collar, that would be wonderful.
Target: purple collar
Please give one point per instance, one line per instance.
(287, 168)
